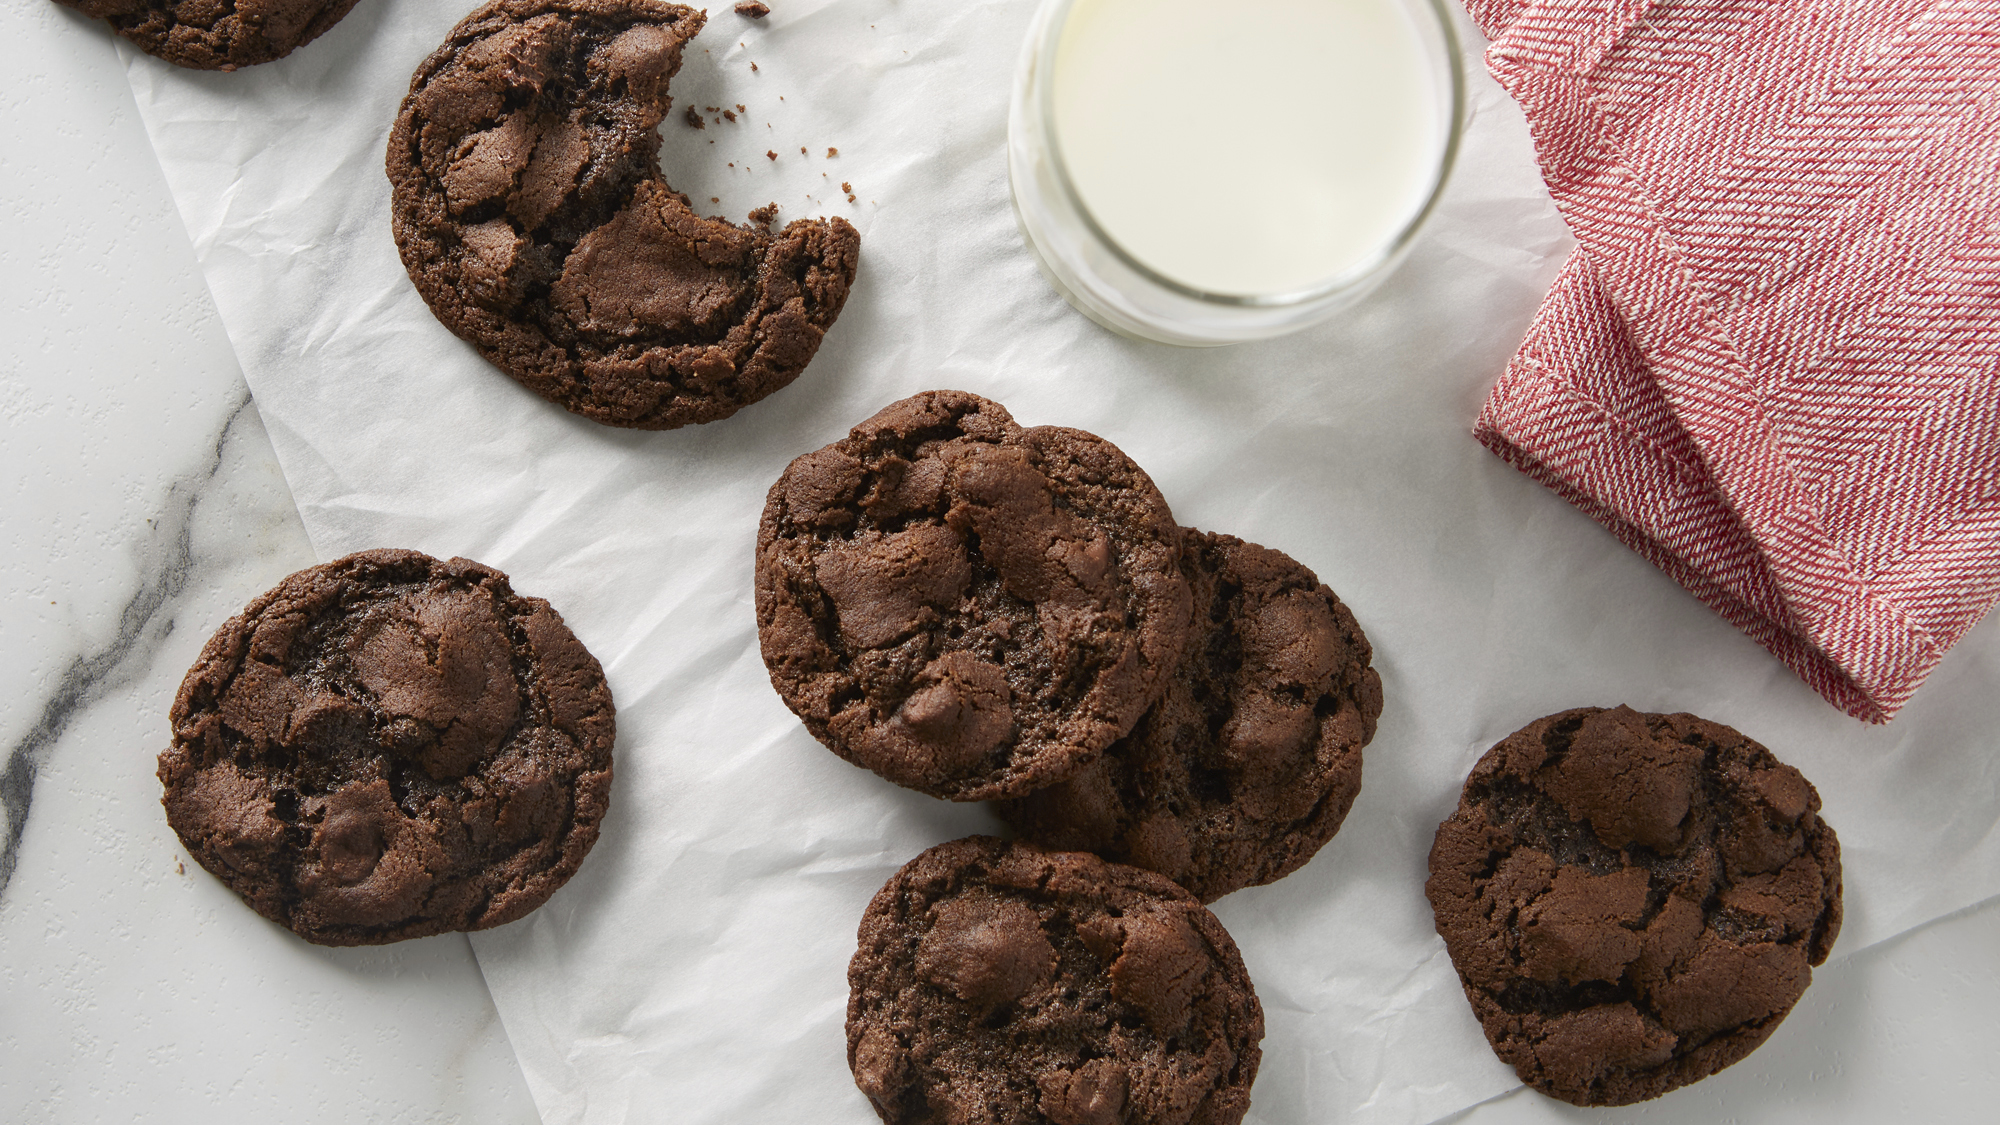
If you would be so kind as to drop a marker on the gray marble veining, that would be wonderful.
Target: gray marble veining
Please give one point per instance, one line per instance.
(151, 991)
(140, 506)
(166, 565)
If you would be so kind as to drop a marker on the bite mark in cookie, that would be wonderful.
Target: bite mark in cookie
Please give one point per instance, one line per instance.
(389, 746)
(532, 215)
(1632, 901)
(966, 607)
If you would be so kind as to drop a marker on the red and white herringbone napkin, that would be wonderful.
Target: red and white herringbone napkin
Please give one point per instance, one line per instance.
(1773, 365)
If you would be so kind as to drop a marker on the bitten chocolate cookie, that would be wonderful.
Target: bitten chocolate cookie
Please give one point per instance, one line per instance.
(1633, 902)
(1249, 763)
(1000, 984)
(389, 746)
(531, 213)
(966, 607)
(212, 35)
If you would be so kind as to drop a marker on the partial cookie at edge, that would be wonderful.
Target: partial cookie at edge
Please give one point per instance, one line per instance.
(996, 981)
(207, 36)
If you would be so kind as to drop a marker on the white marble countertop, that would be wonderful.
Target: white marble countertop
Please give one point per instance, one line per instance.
(144, 506)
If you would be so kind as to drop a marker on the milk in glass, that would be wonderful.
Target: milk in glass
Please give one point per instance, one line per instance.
(1244, 148)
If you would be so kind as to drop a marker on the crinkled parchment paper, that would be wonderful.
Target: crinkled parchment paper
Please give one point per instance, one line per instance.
(693, 971)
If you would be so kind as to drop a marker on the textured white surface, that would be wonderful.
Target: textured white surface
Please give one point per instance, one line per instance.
(130, 992)
(111, 344)
(142, 506)
(696, 960)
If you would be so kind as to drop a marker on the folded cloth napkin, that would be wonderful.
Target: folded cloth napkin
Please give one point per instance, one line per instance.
(1773, 365)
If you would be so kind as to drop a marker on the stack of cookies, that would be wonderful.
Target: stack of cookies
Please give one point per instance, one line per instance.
(982, 611)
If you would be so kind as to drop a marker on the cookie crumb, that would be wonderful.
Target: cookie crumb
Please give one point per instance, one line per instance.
(850, 199)
(769, 153)
(713, 108)
(715, 199)
(832, 152)
(752, 10)
(694, 119)
(178, 869)
(802, 150)
(730, 114)
(753, 66)
(740, 109)
(765, 215)
(845, 186)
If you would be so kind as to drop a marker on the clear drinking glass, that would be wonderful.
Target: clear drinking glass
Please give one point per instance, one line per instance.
(1116, 287)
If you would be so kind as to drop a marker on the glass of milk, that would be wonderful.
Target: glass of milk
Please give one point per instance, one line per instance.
(1204, 172)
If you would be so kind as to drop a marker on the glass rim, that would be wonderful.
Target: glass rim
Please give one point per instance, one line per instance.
(1054, 15)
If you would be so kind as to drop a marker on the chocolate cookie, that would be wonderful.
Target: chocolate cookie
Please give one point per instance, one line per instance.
(1632, 901)
(966, 607)
(1251, 760)
(389, 746)
(213, 35)
(531, 213)
(1000, 984)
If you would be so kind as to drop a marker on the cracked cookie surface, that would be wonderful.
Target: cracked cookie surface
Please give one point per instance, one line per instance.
(996, 983)
(968, 608)
(389, 746)
(532, 215)
(1251, 760)
(217, 34)
(1632, 901)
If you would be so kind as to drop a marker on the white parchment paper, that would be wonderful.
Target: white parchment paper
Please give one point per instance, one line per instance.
(693, 971)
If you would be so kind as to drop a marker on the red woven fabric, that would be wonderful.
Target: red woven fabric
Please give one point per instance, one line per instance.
(1773, 365)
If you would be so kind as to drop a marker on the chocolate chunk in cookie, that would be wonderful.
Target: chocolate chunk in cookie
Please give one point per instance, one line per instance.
(1000, 984)
(1632, 901)
(1251, 760)
(212, 35)
(532, 215)
(966, 607)
(389, 746)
